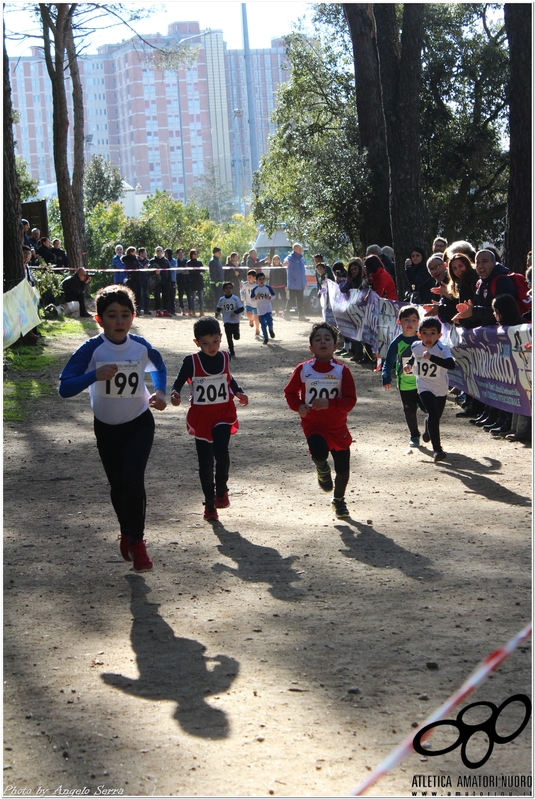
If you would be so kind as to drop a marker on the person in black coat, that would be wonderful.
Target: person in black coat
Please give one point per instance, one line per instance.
(74, 287)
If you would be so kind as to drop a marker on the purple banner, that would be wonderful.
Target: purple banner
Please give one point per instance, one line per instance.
(494, 365)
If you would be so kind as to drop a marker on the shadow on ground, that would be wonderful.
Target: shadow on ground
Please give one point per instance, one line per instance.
(257, 564)
(173, 668)
(377, 550)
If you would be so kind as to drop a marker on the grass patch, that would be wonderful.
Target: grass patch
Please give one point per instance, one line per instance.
(20, 398)
(27, 359)
(67, 327)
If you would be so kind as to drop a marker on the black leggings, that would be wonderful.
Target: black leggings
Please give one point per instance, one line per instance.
(232, 330)
(434, 407)
(411, 403)
(320, 452)
(207, 452)
(124, 450)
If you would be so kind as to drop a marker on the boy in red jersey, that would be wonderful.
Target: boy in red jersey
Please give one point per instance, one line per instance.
(211, 417)
(322, 391)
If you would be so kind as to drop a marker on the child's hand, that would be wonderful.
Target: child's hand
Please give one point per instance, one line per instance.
(157, 401)
(320, 404)
(303, 410)
(387, 386)
(407, 369)
(243, 399)
(426, 355)
(175, 398)
(107, 371)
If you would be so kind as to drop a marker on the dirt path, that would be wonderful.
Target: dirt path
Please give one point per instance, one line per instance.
(279, 651)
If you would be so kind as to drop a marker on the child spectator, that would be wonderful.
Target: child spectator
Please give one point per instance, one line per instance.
(112, 366)
(322, 391)
(398, 354)
(230, 307)
(211, 417)
(432, 361)
(250, 305)
(262, 294)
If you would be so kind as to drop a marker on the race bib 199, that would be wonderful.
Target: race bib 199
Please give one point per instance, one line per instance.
(322, 388)
(210, 390)
(126, 383)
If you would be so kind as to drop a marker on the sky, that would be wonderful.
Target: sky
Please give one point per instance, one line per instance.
(266, 20)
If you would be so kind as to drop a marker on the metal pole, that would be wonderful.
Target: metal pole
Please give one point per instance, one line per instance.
(237, 113)
(250, 95)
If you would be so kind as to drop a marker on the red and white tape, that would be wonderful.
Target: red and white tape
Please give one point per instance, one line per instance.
(478, 676)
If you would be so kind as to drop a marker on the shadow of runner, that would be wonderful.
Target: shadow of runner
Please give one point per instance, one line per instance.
(473, 474)
(375, 549)
(257, 564)
(174, 668)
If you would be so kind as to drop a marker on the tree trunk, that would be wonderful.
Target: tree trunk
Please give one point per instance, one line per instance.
(401, 77)
(518, 225)
(376, 226)
(13, 260)
(57, 37)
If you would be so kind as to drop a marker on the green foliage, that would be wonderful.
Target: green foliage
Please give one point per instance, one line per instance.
(103, 225)
(102, 182)
(28, 186)
(54, 219)
(47, 280)
(464, 121)
(163, 221)
(313, 176)
(238, 235)
(211, 194)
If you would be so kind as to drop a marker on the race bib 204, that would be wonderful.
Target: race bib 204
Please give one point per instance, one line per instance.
(210, 390)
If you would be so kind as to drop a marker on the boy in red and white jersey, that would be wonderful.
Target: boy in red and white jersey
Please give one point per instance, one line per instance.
(322, 391)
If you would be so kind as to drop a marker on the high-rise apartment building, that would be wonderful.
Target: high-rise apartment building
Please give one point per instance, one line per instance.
(161, 128)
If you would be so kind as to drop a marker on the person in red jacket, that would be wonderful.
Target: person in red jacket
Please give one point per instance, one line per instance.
(379, 279)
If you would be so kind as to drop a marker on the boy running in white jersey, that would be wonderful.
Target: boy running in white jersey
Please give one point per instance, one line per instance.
(112, 366)
(430, 362)
(250, 305)
(263, 294)
(230, 307)
(322, 391)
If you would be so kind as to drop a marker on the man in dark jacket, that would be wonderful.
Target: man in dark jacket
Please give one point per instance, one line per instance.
(216, 275)
(161, 290)
(493, 281)
(74, 288)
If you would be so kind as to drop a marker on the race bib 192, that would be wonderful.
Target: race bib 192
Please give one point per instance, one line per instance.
(126, 383)
(210, 390)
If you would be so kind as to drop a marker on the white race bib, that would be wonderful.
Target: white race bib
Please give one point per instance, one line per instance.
(210, 390)
(126, 383)
(426, 369)
(322, 388)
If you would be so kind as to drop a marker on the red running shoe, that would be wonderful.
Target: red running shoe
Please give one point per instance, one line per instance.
(124, 545)
(166, 313)
(210, 513)
(222, 502)
(142, 562)
(158, 313)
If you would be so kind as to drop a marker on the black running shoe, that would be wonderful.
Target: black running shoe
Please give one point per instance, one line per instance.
(325, 480)
(340, 508)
